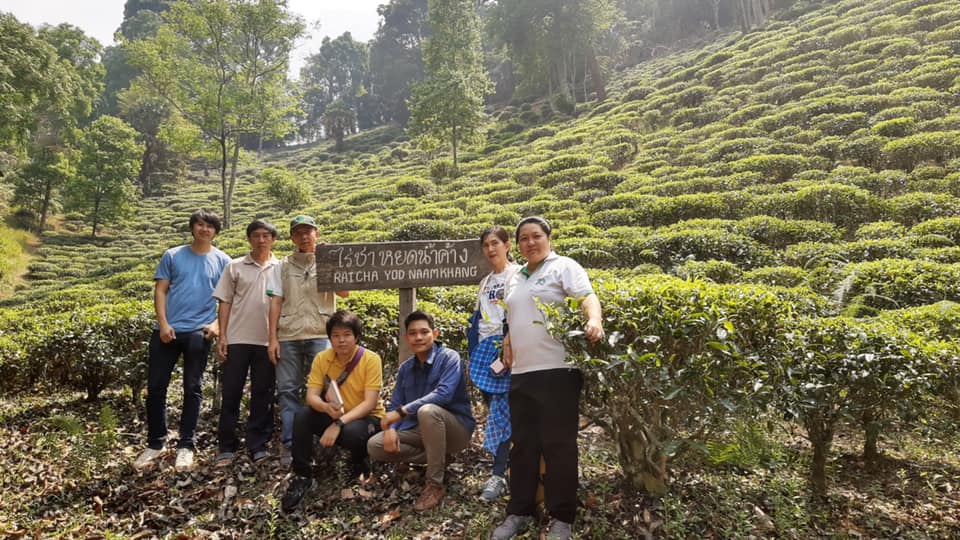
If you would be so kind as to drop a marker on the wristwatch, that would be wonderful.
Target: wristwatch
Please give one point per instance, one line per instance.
(401, 412)
(338, 422)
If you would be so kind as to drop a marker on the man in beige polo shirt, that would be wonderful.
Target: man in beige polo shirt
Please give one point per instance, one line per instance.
(244, 330)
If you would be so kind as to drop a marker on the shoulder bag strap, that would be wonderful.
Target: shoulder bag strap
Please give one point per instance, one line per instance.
(353, 363)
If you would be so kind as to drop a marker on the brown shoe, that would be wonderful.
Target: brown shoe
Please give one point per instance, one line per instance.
(432, 493)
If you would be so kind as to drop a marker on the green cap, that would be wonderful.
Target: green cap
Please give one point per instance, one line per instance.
(302, 220)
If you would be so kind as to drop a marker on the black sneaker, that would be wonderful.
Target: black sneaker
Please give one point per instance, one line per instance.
(360, 469)
(296, 491)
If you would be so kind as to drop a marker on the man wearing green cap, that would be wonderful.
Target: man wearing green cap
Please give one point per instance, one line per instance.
(298, 318)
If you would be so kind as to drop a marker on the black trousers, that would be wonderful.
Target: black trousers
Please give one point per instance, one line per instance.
(163, 359)
(353, 438)
(243, 358)
(544, 418)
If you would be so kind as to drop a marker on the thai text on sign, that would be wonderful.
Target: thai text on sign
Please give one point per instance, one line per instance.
(400, 265)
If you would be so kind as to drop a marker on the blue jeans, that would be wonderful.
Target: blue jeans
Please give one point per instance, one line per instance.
(243, 358)
(163, 358)
(296, 357)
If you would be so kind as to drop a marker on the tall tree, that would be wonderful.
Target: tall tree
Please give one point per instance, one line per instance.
(216, 61)
(37, 185)
(395, 60)
(141, 19)
(54, 80)
(150, 115)
(338, 122)
(337, 72)
(448, 104)
(109, 160)
(554, 42)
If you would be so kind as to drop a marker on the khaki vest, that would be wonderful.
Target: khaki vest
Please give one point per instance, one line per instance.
(305, 309)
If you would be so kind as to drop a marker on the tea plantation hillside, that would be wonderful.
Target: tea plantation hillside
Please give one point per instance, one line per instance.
(773, 225)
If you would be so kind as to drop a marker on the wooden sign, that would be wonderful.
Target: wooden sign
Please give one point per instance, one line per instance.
(400, 265)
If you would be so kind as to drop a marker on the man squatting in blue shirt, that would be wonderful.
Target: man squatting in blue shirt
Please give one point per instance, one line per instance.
(430, 416)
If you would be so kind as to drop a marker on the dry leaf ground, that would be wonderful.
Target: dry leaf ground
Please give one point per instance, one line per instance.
(66, 473)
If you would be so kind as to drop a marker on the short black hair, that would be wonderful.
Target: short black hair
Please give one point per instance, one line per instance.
(260, 224)
(419, 316)
(544, 225)
(207, 216)
(345, 319)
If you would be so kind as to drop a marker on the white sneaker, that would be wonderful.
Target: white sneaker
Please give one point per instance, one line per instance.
(494, 488)
(147, 459)
(184, 460)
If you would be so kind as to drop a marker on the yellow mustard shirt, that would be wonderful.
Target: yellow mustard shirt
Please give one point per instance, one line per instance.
(368, 375)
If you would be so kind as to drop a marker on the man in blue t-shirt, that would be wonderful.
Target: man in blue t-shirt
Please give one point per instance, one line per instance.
(186, 325)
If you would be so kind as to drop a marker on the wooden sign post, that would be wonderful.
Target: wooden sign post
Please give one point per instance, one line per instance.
(400, 265)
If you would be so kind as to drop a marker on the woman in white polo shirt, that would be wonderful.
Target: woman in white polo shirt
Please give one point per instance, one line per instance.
(544, 390)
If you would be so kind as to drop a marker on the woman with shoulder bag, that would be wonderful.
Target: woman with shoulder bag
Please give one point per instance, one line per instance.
(486, 367)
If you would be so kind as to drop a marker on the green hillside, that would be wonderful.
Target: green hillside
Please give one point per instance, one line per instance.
(780, 211)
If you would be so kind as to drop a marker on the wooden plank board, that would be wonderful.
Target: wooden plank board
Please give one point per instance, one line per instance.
(400, 265)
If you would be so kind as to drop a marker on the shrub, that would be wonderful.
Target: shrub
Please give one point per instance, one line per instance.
(895, 127)
(540, 132)
(675, 247)
(891, 283)
(866, 149)
(563, 104)
(694, 96)
(638, 93)
(880, 229)
(414, 187)
(442, 168)
(287, 190)
(715, 271)
(779, 233)
(947, 227)
(908, 152)
(564, 162)
(563, 142)
(97, 347)
(778, 276)
(840, 368)
(840, 124)
(846, 206)
(912, 208)
(776, 167)
(428, 230)
(572, 175)
(677, 351)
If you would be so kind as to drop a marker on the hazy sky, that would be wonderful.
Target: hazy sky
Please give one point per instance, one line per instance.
(100, 18)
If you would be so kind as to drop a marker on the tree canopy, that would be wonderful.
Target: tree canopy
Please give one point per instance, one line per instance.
(216, 63)
(448, 104)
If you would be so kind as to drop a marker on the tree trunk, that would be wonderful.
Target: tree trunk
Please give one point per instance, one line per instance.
(454, 149)
(716, 15)
(641, 451)
(228, 202)
(871, 429)
(597, 75)
(223, 182)
(45, 205)
(744, 16)
(145, 167)
(820, 432)
(96, 215)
